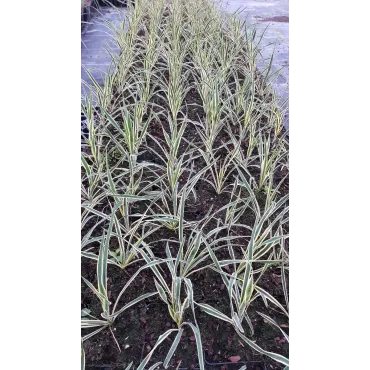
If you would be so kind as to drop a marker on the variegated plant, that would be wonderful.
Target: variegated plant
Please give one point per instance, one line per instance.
(140, 171)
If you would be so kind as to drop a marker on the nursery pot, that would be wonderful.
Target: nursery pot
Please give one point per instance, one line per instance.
(85, 14)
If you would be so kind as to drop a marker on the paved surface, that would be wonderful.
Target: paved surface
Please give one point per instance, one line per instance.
(273, 14)
(96, 40)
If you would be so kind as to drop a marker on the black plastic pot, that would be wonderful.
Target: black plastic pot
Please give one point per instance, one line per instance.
(86, 14)
(117, 3)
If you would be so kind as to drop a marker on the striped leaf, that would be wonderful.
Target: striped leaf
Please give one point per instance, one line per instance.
(161, 292)
(83, 360)
(150, 264)
(268, 296)
(213, 312)
(173, 348)
(88, 323)
(129, 366)
(274, 323)
(161, 338)
(198, 341)
(279, 358)
(155, 366)
(132, 303)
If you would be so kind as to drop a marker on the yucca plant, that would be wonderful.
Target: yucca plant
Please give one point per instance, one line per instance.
(268, 158)
(272, 191)
(242, 97)
(130, 135)
(176, 309)
(129, 240)
(168, 211)
(91, 180)
(242, 283)
(229, 48)
(173, 53)
(94, 140)
(152, 46)
(221, 170)
(243, 105)
(126, 38)
(100, 96)
(171, 295)
(174, 167)
(101, 291)
(197, 26)
(211, 90)
(174, 164)
(174, 25)
(176, 88)
(128, 188)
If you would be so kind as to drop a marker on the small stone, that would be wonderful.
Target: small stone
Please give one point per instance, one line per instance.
(234, 359)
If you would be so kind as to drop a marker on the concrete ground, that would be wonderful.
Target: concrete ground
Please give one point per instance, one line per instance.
(96, 40)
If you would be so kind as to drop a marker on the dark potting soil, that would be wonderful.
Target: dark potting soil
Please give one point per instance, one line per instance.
(138, 329)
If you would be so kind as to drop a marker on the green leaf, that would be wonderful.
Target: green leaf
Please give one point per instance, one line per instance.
(161, 338)
(83, 360)
(284, 284)
(93, 289)
(190, 295)
(161, 291)
(268, 296)
(103, 267)
(173, 348)
(129, 366)
(181, 218)
(89, 323)
(85, 312)
(86, 166)
(247, 289)
(153, 367)
(86, 337)
(237, 322)
(133, 302)
(274, 356)
(213, 312)
(198, 341)
(274, 323)
(149, 264)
